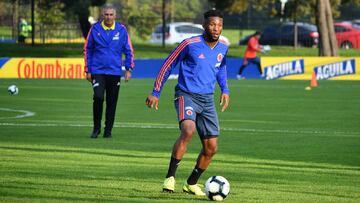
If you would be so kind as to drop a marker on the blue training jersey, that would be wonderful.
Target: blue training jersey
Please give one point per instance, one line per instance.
(103, 50)
(200, 67)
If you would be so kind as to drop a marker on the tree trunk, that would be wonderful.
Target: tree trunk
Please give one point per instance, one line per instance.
(323, 29)
(82, 11)
(84, 25)
(163, 23)
(331, 31)
(295, 25)
(33, 22)
(325, 24)
(15, 19)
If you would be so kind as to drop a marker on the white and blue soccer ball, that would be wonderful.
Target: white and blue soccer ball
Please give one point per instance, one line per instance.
(217, 188)
(12, 89)
(265, 49)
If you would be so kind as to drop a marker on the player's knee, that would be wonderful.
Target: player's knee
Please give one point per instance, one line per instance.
(188, 131)
(187, 128)
(210, 150)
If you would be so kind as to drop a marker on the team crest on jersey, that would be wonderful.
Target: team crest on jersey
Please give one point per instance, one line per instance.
(219, 57)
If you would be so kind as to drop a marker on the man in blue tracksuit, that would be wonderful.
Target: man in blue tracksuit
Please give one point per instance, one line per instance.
(202, 63)
(106, 42)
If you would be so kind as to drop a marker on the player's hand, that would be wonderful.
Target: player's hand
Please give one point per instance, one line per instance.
(88, 77)
(152, 102)
(127, 76)
(224, 101)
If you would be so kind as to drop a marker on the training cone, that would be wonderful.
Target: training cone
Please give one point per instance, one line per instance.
(313, 82)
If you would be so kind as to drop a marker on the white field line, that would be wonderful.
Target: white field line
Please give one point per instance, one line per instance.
(23, 114)
(167, 126)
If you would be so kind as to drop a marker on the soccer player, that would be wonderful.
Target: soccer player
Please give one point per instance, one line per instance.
(202, 62)
(106, 42)
(252, 48)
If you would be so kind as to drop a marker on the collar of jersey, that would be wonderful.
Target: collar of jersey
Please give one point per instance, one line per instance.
(106, 27)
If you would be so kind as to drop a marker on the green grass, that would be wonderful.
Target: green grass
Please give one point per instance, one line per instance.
(145, 50)
(279, 143)
(5, 31)
(234, 35)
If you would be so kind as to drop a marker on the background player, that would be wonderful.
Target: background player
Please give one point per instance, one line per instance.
(252, 48)
(202, 62)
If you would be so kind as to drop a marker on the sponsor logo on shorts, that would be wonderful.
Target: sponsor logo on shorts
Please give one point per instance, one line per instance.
(327, 71)
(189, 108)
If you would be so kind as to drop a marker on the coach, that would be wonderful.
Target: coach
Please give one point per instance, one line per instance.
(106, 42)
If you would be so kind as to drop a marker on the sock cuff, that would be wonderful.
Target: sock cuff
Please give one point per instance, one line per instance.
(199, 169)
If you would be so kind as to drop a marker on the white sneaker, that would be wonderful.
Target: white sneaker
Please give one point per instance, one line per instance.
(239, 77)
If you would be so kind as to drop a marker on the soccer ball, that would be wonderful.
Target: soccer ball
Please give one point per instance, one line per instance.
(265, 49)
(12, 89)
(217, 188)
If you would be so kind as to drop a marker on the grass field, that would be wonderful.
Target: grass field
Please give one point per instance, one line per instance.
(279, 143)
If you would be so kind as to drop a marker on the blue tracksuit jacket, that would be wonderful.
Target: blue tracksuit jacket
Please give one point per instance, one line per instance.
(200, 67)
(103, 50)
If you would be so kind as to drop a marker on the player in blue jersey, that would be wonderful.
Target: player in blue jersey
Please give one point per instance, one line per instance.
(202, 63)
(106, 42)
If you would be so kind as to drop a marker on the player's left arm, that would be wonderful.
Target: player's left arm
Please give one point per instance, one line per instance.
(222, 81)
(129, 57)
(88, 54)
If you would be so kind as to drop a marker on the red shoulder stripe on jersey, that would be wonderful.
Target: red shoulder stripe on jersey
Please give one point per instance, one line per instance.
(171, 59)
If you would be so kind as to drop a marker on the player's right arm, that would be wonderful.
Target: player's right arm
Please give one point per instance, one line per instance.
(88, 53)
(221, 78)
(170, 63)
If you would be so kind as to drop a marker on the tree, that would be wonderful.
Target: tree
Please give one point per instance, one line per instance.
(239, 6)
(81, 9)
(324, 9)
(49, 12)
(141, 16)
(328, 43)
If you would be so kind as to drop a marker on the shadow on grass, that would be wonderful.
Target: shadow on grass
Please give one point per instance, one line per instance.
(110, 194)
(82, 151)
